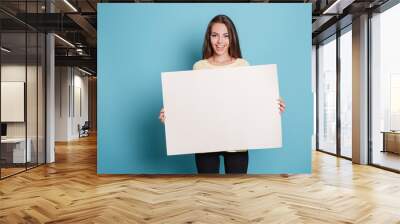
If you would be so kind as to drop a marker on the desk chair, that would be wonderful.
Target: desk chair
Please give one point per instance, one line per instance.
(84, 130)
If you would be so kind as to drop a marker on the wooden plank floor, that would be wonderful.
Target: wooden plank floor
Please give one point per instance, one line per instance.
(70, 191)
(10, 171)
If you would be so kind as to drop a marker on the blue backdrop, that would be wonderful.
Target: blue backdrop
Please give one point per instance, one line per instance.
(136, 42)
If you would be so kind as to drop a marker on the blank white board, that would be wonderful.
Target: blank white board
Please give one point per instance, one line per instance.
(221, 109)
(12, 101)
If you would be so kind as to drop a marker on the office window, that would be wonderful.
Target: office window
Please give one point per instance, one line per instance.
(395, 101)
(327, 95)
(385, 88)
(346, 92)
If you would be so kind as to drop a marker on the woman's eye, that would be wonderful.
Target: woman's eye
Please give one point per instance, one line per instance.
(213, 35)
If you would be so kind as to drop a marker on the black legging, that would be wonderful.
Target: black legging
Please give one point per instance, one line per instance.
(235, 162)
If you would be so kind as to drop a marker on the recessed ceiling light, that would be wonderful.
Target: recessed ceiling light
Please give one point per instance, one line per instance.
(5, 50)
(84, 71)
(64, 40)
(70, 5)
(338, 6)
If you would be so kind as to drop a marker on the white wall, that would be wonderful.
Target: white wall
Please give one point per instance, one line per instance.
(62, 81)
(10, 73)
(15, 72)
(71, 87)
(80, 109)
(33, 127)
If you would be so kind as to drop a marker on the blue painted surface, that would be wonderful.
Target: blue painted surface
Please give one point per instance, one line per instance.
(136, 42)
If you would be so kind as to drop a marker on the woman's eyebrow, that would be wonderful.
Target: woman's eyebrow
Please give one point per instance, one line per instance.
(216, 33)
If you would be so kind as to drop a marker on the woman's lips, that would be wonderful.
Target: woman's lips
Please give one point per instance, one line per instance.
(220, 48)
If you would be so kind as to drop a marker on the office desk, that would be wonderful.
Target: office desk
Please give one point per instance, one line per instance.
(391, 141)
(15, 148)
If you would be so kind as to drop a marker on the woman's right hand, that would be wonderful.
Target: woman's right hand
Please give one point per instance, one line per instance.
(162, 115)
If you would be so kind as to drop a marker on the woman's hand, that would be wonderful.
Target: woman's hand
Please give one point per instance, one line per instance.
(162, 115)
(282, 105)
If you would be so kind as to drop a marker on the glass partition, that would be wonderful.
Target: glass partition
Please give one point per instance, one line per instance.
(327, 95)
(385, 89)
(14, 153)
(22, 78)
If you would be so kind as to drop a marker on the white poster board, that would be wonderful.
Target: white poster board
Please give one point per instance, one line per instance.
(221, 109)
(12, 101)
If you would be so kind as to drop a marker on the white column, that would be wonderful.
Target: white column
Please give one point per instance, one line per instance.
(50, 100)
(50, 92)
(360, 90)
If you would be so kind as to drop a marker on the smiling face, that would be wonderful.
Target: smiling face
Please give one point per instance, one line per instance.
(219, 39)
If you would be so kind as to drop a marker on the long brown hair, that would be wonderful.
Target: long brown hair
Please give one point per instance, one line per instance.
(234, 47)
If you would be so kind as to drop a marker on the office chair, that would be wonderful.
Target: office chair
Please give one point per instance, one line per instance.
(84, 130)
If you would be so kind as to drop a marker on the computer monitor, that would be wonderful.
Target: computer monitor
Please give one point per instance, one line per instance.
(3, 129)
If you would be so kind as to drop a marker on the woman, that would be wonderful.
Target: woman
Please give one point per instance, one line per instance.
(221, 49)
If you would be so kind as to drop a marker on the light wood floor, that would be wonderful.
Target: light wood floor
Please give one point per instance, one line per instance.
(70, 191)
(10, 171)
(5, 172)
(387, 159)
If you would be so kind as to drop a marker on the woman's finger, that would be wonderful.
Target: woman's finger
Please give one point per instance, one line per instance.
(282, 106)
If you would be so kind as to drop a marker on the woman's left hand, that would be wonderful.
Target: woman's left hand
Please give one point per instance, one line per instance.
(282, 105)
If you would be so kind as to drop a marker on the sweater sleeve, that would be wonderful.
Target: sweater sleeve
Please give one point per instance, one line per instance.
(244, 62)
(197, 65)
